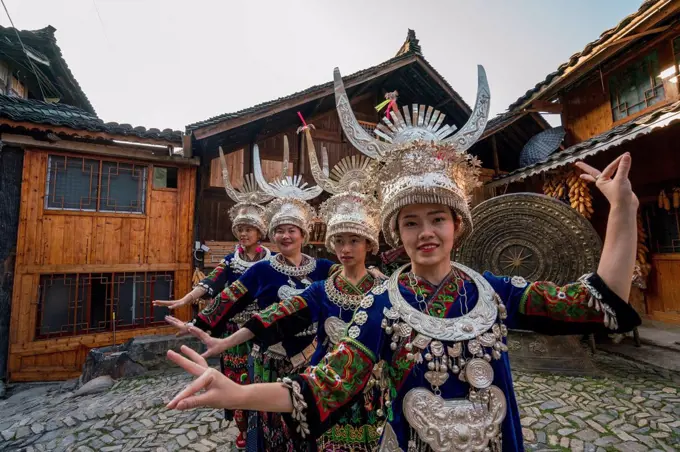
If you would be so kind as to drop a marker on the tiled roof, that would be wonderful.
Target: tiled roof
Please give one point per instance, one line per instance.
(613, 137)
(43, 43)
(585, 52)
(56, 114)
(412, 48)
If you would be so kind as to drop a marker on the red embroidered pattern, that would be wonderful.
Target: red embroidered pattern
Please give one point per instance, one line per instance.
(566, 303)
(340, 376)
(223, 303)
(277, 311)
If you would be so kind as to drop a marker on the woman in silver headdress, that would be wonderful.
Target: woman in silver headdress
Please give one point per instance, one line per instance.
(352, 232)
(447, 383)
(249, 227)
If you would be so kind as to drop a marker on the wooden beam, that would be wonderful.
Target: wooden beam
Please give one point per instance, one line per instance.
(99, 149)
(76, 133)
(443, 85)
(288, 104)
(494, 148)
(544, 106)
(636, 36)
(187, 151)
(108, 268)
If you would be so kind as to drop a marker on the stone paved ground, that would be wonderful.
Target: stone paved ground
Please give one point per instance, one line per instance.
(633, 408)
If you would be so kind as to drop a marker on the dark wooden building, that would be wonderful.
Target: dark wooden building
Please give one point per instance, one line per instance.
(408, 72)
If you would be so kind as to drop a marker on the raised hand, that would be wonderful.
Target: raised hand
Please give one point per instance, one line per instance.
(214, 345)
(220, 391)
(613, 182)
(177, 323)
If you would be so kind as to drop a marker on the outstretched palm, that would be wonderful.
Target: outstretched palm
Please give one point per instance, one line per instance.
(615, 187)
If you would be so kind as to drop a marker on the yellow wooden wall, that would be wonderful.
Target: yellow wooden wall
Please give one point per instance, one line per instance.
(57, 241)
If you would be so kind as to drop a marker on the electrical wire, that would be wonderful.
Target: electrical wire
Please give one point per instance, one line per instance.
(33, 68)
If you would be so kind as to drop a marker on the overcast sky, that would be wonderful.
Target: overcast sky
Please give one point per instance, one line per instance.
(168, 63)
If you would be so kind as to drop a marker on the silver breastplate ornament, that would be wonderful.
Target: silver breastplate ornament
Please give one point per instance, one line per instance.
(462, 348)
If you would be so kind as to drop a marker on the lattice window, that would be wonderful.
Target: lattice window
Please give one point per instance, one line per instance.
(636, 87)
(122, 187)
(76, 183)
(74, 304)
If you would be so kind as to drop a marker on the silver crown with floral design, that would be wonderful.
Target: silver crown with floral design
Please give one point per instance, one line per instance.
(423, 162)
(291, 211)
(353, 213)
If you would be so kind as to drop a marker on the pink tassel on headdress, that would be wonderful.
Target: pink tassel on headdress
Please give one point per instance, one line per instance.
(305, 126)
(390, 102)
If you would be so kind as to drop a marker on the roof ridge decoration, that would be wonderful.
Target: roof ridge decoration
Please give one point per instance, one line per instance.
(410, 45)
(425, 123)
(287, 186)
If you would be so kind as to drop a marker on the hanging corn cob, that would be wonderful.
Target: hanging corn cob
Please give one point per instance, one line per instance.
(580, 197)
(676, 198)
(664, 201)
(642, 266)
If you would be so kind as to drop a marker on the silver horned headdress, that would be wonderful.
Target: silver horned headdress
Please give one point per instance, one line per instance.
(353, 213)
(423, 161)
(247, 210)
(351, 174)
(287, 186)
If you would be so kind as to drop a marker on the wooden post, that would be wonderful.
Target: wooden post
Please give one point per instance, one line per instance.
(496, 165)
(11, 169)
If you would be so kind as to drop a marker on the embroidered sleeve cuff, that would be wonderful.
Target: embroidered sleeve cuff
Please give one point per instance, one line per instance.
(619, 316)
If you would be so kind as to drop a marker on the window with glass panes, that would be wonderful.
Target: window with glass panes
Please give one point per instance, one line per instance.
(636, 87)
(93, 185)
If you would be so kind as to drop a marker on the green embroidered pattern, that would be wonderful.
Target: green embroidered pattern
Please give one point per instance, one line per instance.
(564, 303)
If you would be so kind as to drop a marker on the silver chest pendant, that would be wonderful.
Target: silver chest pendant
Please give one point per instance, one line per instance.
(447, 425)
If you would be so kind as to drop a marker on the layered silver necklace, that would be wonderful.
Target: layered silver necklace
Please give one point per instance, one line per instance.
(473, 340)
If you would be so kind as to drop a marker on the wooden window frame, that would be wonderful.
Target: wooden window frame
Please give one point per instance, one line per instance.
(147, 186)
(74, 328)
(654, 86)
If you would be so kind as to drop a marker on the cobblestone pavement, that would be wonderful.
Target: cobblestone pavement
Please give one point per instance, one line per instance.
(632, 408)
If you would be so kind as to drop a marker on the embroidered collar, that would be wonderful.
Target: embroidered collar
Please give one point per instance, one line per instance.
(242, 263)
(345, 294)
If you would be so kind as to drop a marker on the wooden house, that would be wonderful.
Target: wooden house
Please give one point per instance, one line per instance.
(408, 72)
(95, 218)
(620, 93)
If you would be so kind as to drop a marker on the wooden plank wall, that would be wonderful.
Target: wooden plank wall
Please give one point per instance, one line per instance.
(213, 218)
(86, 242)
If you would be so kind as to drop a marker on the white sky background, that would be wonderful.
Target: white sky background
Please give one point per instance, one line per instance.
(170, 63)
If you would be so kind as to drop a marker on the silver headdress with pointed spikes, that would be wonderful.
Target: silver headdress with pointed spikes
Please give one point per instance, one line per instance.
(351, 174)
(287, 186)
(423, 163)
(247, 210)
